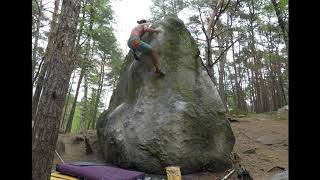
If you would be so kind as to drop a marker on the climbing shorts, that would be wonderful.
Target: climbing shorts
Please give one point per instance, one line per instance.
(135, 43)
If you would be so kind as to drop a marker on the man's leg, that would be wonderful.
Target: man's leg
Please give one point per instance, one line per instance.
(148, 49)
(135, 55)
(133, 45)
(156, 62)
(155, 59)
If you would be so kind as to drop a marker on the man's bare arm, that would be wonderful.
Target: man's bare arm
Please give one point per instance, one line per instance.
(147, 29)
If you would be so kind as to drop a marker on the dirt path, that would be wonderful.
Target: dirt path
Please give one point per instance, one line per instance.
(261, 146)
(266, 141)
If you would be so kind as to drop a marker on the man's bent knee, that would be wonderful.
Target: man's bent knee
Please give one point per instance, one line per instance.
(153, 50)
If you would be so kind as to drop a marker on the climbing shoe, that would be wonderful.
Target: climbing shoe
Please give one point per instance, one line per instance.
(135, 55)
(162, 74)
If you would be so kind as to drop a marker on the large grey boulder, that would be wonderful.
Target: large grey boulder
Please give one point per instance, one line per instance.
(177, 120)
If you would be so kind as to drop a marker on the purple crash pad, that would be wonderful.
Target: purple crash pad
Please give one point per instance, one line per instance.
(99, 172)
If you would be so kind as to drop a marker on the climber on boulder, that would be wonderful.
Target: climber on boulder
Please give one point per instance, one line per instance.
(135, 43)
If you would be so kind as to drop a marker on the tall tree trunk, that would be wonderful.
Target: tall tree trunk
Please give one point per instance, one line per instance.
(228, 67)
(83, 73)
(238, 103)
(226, 90)
(66, 105)
(36, 38)
(97, 100)
(46, 125)
(232, 88)
(273, 82)
(249, 83)
(222, 41)
(275, 72)
(258, 103)
(90, 107)
(275, 102)
(83, 68)
(251, 92)
(46, 58)
(214, 16)
(283, 99)
(281, 22)
(222, 91)
(66, 124)
(74, 103)
(37, 73)
(77, 48)
(256, 61)
(264, 94)
(38, 89)
(237, 87)
(285, 67)
(242, 91)
(84, 108)
(253, 89)
(239, 92)
(209, 63)
(84, 112)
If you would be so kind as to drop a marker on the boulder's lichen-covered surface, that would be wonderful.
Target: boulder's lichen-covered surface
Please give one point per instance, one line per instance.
(176, 120)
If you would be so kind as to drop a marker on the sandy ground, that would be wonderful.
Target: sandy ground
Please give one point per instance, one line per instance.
(261, 147)
(266, 138)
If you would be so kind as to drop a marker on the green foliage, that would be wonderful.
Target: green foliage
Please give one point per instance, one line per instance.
(201, 3)
(283, 5)
(35, 12)
(103, 49)
(106, 46)
(91, 106)
(162, 8)
(76, 119)
(113, 75)
(194, 19)
(40, 52)
(237, 112)
(98, 47)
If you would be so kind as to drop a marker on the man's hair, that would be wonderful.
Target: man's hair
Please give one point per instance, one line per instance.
(142, 21)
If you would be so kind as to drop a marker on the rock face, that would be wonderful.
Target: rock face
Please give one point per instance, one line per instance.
(176, 120)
